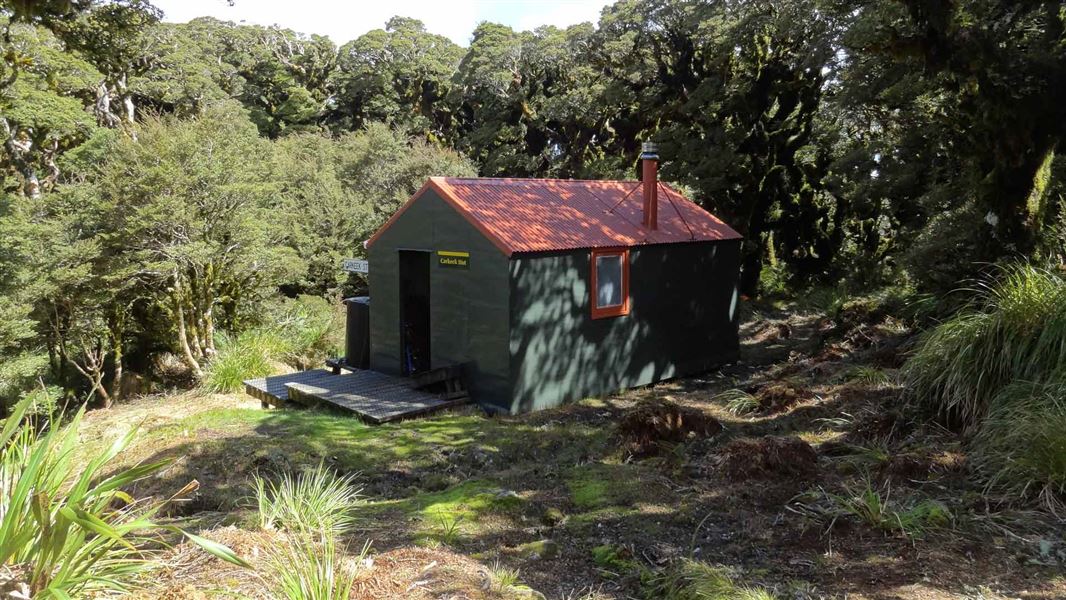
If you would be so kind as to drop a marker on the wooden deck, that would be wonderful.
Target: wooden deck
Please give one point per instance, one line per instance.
(373, 396)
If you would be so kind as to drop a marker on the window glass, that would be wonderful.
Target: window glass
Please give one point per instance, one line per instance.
(608, 281)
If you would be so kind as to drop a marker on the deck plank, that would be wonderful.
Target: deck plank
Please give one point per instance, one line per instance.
(374, 396)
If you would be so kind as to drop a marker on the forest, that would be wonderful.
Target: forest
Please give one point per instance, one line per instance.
(176, 202)
(211, 167)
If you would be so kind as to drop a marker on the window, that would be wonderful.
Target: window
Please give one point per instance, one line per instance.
(610, 282)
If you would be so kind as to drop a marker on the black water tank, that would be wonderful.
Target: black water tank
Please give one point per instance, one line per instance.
(357, 335)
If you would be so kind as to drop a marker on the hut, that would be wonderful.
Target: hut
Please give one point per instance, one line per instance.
(550, 290)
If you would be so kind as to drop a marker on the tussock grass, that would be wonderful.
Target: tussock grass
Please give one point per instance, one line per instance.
(315, 500)
(247, 356)
(310, 565)
(738, 402)
(866, 375)
(695, 580)
(301, 333)
(503, 579)
(313, 509)
(310, 329)
(1013, 330)
(875, 508)
(1021, 446)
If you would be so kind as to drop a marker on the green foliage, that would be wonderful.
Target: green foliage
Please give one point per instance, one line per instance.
(1020, 446)
(447, 527)
(615, 559)
(247, 356)
(399, 75)
(313, 510)
(738, 401)
(855, 145)
(503, 578)
(695, 580)
(315, 500)
(867, 375)
(451, 513)
(337, 192)
(1014, 329)
(300, 332)
(312, 327)
(65, 524)
(311, 566)
(876, 508)
(602, 485)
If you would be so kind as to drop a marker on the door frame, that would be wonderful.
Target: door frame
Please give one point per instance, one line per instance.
(427, 256)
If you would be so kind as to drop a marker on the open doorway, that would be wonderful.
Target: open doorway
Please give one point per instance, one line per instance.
(414, 311)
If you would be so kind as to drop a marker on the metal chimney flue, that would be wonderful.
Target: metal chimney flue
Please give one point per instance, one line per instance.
(649, 158)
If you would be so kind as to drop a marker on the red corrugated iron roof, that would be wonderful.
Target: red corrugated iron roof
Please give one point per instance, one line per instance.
(535, 215)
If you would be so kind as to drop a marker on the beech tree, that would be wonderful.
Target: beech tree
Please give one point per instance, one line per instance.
(191, 211)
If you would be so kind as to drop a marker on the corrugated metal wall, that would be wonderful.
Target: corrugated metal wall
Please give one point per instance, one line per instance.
(681, 321)
(469, 314)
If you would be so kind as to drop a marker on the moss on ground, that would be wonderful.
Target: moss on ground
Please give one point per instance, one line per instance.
(449, 515)
(600, 485)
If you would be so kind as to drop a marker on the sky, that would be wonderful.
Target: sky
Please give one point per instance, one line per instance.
(344, 20)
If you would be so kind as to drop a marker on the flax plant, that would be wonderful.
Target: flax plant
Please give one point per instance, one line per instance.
(67, 528)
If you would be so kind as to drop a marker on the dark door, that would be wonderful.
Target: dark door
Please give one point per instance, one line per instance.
(414, 311)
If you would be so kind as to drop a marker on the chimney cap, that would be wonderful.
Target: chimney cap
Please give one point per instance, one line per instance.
(649, 150)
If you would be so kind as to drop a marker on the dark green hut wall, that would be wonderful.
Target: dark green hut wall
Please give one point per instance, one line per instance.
(469, 308)
(681, 321)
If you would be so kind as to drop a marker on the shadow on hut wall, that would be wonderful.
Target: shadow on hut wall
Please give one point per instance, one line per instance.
(682, 320)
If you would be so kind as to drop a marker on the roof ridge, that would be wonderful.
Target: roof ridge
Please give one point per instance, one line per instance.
(545, 179)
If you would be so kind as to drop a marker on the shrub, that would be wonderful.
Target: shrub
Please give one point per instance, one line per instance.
(1014, 329)
(1020, 447)
(315, 500)
(311, 330)
(66, 526)
(301, 333)
(503, 579)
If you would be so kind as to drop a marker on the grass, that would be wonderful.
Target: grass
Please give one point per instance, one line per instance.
(1021, 447)
(876, 508)
(302, 334)
(866, 375)
(310, 565)
(449, 514)
(315, 500)
(247, 356)
(695, 580)
(738, 401)
(66, 525)
(503, 579)
(1014, 329)
(999, 369)
(313, 509)
(555, 463)
(447, 531)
